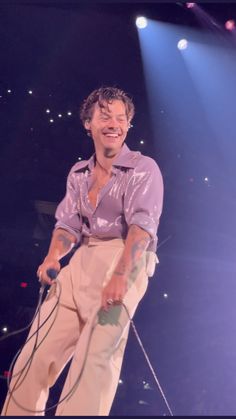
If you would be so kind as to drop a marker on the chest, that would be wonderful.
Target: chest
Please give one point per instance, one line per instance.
(98, 183)
(93, 197)
(106, 197)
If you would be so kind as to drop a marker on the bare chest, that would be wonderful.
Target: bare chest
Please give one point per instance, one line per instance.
(97, 185)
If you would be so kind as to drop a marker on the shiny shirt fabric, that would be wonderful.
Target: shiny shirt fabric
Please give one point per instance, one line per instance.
(133, 195)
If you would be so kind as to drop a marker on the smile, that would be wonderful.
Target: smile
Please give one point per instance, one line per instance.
(112, 135)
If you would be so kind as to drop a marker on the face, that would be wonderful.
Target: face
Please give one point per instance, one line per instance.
(108, 127)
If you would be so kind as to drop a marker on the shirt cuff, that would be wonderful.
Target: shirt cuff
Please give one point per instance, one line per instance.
(75, 233)
(146, 223)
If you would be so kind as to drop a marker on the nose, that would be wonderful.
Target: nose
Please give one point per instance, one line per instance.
(113, 123)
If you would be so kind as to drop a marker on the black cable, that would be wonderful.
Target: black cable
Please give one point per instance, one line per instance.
(16, 332)
(17, 354)
(10, 391)
(30, 359)
(56, 404)
(148, 362)
(78, 378)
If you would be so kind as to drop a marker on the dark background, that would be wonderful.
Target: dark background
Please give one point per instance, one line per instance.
(62, 50)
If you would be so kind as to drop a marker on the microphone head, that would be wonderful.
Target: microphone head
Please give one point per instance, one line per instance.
(52, 273)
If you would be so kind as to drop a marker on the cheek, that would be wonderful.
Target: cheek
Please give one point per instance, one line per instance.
(95, 130)
(125, 131)
(125, 128)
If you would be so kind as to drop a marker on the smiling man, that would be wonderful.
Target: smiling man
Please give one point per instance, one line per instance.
(111, 212)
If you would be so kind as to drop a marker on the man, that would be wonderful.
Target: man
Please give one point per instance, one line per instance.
(112, 207)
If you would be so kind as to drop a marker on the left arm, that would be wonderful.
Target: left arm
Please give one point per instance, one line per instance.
(136, 243)
(142, 208)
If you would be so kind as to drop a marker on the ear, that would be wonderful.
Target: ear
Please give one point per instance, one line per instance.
(87, 124)
(129, 125)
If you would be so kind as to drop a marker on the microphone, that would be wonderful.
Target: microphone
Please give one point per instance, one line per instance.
(52, 273)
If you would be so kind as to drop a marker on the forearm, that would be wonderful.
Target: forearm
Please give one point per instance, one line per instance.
(136, 243)
(61, 244)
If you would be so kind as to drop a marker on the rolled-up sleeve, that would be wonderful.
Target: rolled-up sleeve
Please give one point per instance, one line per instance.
(143, 199)
(67, 214)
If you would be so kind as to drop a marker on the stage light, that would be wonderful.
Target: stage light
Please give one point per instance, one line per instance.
(69, 113)
(182, 44)
(165, 295)
(9, 91)
(190, 5)
(30, 92)
(206, 179)
(79, 158)
(4, 329)
(141, 142)
(51, 120)
(230, 25)
(141, 22)
(59, 115)
(47, 110)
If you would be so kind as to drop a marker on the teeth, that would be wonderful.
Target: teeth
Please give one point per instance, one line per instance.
(112, 135)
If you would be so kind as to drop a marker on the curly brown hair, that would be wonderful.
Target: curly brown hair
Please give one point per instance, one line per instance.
(107, 95)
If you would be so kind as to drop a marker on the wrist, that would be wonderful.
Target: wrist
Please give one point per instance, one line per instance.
(51, 258)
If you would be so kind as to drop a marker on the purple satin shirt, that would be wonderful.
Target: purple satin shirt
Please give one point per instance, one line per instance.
(133, 195)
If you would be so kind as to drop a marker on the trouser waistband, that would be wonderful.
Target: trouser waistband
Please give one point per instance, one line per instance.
(104, 240)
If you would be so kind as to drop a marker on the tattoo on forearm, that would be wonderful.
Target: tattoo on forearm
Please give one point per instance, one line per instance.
(120, 270)
(138, 248)
(65, 241)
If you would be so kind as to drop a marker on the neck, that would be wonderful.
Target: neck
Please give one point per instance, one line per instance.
(104, 160)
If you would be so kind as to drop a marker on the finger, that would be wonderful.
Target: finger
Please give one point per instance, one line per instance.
(118, 302)
(104, 302)
(39, 274)
(44, 279)
(118, 298)
(110, 301)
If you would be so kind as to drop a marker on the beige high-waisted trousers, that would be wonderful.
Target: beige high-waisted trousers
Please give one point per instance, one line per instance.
(79, 329)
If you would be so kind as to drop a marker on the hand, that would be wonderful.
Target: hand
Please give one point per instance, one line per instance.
(48, 263)
(114, 291)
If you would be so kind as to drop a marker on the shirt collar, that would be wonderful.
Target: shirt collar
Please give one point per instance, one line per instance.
(125, 158)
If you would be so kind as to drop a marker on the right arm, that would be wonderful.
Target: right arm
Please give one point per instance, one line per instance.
(61, 244)
(67, 230)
